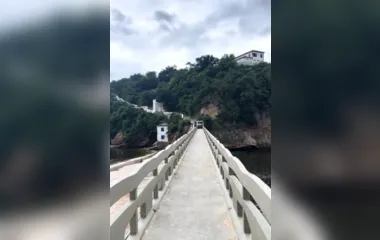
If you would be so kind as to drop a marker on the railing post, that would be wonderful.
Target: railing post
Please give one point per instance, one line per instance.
(247, 229)
(227, 182)
(219, 160)
(230, 173)
(239, 209)
(162, 185)
(143, 210)
(170, 168)
(155, 191)
(146, 207)
(134, 221)
(176, 160)
(246, 197)
(184, 144)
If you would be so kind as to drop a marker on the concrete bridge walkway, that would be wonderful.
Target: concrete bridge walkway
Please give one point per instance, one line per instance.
(193, 189)
(194, 206)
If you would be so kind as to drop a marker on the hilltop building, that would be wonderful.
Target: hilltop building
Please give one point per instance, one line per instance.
(250, 58)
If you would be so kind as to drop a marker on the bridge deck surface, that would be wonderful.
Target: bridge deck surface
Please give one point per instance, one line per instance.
(194, 206)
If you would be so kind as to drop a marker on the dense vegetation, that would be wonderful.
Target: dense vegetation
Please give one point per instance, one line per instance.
(139, 127)
(237, 91)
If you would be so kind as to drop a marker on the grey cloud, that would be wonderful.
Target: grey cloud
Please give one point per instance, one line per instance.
(252, 27)
(266, 31)
(185, 36)
(172, 31)
(230, 33)
(133, 40)
(165, 28)
(123, 29)
(166, 21)
(117, 15)
(120, 17)
(164, 16)
(124, 69)
(253, 15)
(121, 23)
(253, 20)
(181, 35)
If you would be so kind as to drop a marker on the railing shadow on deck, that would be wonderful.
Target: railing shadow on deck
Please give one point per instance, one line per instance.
(146, 199)
(245, 189)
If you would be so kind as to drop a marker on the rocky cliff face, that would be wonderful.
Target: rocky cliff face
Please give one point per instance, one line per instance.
(118, 140)
(240, 137)
(233, 136)
(211, 110)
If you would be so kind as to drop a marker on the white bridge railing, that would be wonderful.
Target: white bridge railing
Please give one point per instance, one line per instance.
(144, 201)
(245, 189)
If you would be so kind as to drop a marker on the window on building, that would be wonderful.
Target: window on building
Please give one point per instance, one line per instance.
(254, 54)
(261, 55)
(162, 137)
(162, 129)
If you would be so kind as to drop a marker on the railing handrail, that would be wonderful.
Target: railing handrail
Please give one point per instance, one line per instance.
(242, 185)
(118, 165)
(144, 198)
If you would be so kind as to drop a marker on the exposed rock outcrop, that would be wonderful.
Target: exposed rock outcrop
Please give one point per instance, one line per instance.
(159, 146)
(118, 139)
(239, 137)
(144, 142)
(210, 110)
(233, 136)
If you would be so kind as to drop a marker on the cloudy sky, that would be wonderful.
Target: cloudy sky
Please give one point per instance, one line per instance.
(148, 35)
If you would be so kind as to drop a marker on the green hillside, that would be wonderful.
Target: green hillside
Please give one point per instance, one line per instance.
(218, 90)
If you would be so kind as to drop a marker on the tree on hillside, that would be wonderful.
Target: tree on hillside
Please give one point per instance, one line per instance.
(166, 74)
(146, 98)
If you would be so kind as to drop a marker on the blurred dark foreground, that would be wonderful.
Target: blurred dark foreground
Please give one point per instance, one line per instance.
(54, 106)
(326, 124)
(326, 120)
